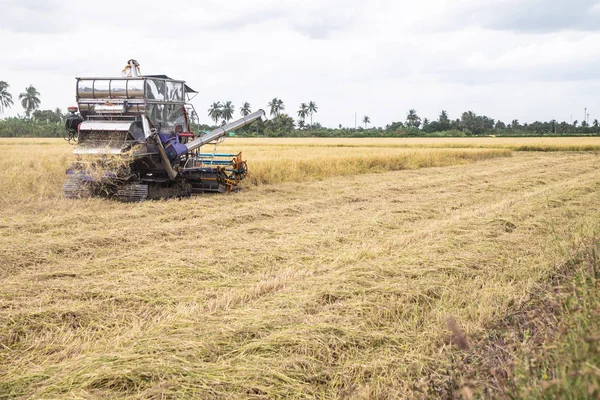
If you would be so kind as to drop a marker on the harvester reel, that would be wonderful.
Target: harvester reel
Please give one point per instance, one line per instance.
(242, 170)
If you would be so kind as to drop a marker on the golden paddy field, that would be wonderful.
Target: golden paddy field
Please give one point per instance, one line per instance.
(346, 268)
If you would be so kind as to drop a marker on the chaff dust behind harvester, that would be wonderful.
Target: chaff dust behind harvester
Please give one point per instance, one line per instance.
(134, 141)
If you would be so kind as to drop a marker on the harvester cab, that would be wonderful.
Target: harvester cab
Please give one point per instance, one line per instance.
(134, 141)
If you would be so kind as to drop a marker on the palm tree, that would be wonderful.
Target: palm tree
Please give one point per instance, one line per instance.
(245, 110)
(366, 120)
(312, 108)
(301, 124)
(595, 125)
(227, 112)
(303, 112)
(274, 105)
(30, 100)
(412, 119)
(215, 111)
(6, 100)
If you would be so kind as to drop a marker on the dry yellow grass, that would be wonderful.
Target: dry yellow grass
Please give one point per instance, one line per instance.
(339, 287)
(519, 144)
(35, 168)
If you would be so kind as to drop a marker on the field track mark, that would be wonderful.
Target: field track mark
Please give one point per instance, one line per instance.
(425, 230)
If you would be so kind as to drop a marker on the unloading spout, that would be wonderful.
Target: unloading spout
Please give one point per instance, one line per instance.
(224, 130)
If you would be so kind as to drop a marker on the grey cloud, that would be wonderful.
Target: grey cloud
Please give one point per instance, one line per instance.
(35, 17)
(242, 21)
(315, 21)
(320, 23)
(565, 72)
(535, 16)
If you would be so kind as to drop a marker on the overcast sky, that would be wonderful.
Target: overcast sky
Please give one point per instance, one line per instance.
(525, 59)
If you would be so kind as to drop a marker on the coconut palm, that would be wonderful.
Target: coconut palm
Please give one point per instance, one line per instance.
(30, 100)
(366, 120)
(303, 111)
(312, 108)
(273, 104)
(215, 111)
(245, 110)
(6, 100)
(412, 119)
(301, 124)
(227, 111)
(276, 106)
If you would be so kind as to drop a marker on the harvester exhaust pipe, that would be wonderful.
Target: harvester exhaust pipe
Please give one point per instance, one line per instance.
(225, 129)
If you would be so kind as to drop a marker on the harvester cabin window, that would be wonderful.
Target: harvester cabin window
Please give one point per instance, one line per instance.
(174, 116)
(156, 115)
(155, 89)
(174, 91)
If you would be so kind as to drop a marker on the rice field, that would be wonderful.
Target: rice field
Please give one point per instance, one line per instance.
(346, 268)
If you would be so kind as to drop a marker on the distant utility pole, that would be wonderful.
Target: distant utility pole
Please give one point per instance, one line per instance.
(584, 114)
(354, 120)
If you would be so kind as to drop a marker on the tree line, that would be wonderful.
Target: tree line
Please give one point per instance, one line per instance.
(48, 123)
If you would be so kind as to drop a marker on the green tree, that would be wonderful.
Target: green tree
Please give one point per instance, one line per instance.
(30, 100)
(227, 111)
(366, 120)
(6, 100)
(58, 112)
(281, 125)
(412, 119)
(312, 109)
(245, 110)
(215, 111)
(444, 121)
(48, 116)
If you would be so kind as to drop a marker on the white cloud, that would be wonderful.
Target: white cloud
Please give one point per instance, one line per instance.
(378, 58)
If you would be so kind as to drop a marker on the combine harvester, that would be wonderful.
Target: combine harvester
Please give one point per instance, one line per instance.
(134, 141)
